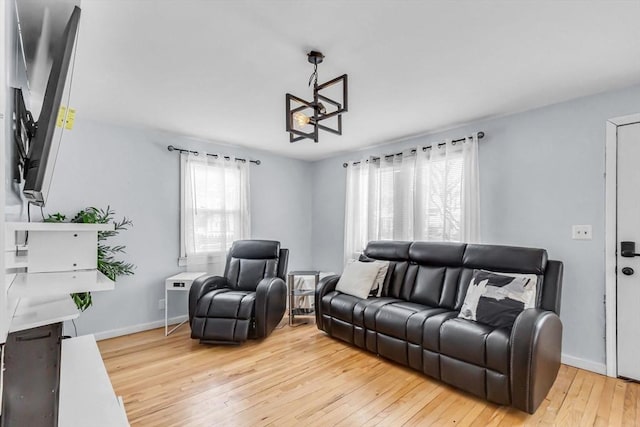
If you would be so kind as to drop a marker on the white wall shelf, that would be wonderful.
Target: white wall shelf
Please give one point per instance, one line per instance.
(56, 260)
(55, 226)
(59, 259)
(32, 285)
(86, 395)
(13, 260)
(40, 311)
(53, 246)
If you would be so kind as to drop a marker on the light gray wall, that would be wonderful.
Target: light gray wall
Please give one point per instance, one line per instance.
(541, 171)
(131, 170)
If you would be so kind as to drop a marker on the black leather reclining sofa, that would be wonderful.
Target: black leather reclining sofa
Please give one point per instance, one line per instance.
(415, 320)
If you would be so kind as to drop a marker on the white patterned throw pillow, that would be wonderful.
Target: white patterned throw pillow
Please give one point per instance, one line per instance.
(496, 299)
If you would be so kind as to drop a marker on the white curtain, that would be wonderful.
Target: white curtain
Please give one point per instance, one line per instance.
(215, 209)
(361, 185)
(470, 221)
(419, 194)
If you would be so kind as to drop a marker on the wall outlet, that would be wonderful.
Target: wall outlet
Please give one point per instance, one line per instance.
(160, 304)
(581, 232)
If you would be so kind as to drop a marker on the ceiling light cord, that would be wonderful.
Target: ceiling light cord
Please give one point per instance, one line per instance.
(314, 76)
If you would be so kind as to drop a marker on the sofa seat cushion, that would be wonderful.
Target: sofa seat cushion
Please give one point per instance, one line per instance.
(394, 319)
(351, 309)
(472, 342)
(339, 305)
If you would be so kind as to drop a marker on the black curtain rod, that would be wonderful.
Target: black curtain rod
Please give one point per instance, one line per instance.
(183, 150)
(480, 136)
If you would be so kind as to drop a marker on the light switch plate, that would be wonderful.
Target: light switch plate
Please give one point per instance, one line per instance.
(581, 232)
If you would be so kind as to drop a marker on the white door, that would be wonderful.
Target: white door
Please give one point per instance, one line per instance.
(628, 267)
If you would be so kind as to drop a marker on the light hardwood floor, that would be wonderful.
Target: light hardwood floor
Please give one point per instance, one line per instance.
(299, 376)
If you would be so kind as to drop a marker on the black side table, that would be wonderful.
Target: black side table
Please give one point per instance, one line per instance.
(293, 310)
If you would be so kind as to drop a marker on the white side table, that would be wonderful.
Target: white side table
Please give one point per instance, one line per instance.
(181, 283)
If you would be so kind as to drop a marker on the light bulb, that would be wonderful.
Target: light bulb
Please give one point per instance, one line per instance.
(301, 119)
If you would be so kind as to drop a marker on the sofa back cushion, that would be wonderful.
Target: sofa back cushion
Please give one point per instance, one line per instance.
(389, 250)
(511, 259)
(437, 267)
(437, 274)
(503, 259)
(397, 253)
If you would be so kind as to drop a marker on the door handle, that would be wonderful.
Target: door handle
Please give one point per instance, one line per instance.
(627, 271)
(628, 249)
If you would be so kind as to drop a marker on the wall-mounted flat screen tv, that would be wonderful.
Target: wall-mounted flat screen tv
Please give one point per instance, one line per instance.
(42, 147)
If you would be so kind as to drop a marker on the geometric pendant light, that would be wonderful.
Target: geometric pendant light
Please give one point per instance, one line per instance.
(306, 118)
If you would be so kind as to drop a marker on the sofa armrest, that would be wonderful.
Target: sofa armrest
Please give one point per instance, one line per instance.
(326, 285)
(552, 286)
(200, 287)
(536, 346)
(271, 303)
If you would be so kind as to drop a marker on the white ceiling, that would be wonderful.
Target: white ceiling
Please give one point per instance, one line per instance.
(219, 70)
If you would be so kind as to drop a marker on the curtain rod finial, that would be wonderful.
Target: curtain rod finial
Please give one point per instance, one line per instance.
(480, 135)
(344, 165)
(258, 162)
(171, 148)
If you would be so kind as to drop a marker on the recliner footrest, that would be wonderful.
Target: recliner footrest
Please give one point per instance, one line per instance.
(224, 315)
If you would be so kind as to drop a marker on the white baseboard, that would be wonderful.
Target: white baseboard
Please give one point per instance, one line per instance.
(137, 328)
(588, 365)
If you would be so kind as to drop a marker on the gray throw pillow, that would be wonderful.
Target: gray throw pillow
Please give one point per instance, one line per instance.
(376, 291)
(358, 278)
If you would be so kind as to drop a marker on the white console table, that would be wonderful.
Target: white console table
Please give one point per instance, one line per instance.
(86, 394)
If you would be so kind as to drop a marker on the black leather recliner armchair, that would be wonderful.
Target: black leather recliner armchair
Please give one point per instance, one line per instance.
(248, 302)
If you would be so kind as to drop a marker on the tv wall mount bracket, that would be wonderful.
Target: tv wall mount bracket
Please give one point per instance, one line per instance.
(24, 129)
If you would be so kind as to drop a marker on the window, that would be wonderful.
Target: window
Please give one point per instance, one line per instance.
(417, 195)
(441, 214)
(214, 207)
